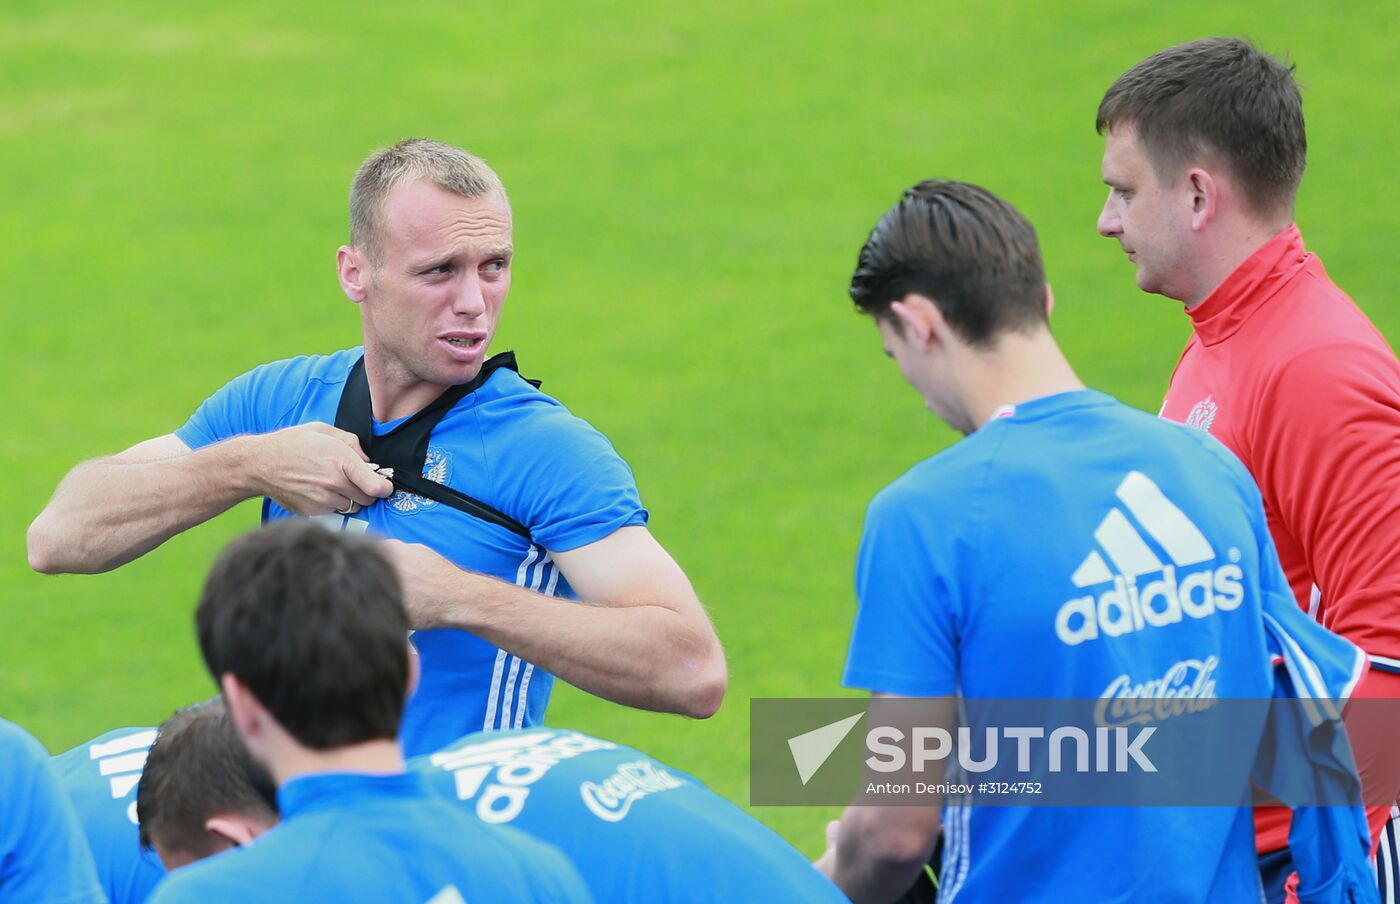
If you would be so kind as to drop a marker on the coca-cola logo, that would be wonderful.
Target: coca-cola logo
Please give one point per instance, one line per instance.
(611, 798)
(1186, 687)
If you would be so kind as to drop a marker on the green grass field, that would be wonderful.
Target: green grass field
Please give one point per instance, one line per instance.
(691, 185)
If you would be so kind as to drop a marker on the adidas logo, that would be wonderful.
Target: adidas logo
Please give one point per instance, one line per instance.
(1124, 606)
(121, 760)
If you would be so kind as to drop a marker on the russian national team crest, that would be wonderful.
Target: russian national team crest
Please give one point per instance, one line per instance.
(1202, 415)
(435, 468)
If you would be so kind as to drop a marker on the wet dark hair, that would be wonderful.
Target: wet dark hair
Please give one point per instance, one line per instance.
(1220, 96)
(198, 768)
(312, 623)
(966, 250)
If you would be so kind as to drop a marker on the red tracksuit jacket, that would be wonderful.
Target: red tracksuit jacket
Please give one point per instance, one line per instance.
(1294, 379)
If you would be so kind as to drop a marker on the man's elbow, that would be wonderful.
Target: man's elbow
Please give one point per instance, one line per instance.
(42, 548)
(900, 851)
(705, 686)
(898, 844)
(51, 551)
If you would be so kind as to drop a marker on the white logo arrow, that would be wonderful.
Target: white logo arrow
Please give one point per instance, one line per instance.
(811, 749)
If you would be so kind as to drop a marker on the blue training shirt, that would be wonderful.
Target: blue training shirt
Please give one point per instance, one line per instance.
(637, 830)
(508, 445)
(44, 858)
(100, 779)
(351, 837)
(1076, 548)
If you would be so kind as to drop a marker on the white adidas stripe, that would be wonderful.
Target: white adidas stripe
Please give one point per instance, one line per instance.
(510, 701)
(1125, 546)
(1166, 523)
(523, 571)
(127, 762)
(490, 721)
(524, 693)
(137, 741)
(1092, 571)
(1310, 686)
(539, 573)
(1314, 602)
(522, 574)
(960, 862)
(957, 854)
(1131, 556)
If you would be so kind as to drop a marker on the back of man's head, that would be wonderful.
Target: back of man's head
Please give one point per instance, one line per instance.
(312, 623)
(965, 249)
(449, 168)
(1218, 99)
(199, 769)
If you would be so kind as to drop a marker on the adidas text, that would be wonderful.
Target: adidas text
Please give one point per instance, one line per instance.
(1125, 607)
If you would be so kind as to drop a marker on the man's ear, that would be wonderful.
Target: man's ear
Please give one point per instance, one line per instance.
(1049, 301)
(1204, 193)
(354, 273)
(236, 830)
(921, 321)
(243, 708)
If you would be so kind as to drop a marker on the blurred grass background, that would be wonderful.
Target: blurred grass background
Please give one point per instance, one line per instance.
(691, 185)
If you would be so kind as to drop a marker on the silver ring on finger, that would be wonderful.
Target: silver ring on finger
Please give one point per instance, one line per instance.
(351, 508)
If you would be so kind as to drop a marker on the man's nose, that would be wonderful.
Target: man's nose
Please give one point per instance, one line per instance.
(469, 301)
(1110, 224)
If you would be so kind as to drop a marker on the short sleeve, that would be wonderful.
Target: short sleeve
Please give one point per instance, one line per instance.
(905, 639)
(43, 854)
(254, 402)
(567, 480)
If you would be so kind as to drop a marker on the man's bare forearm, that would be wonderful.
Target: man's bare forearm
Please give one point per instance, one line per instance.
(877, 858)
(109, 511)
(646, 656)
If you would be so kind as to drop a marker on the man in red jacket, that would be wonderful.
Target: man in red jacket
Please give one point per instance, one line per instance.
(1205, 147)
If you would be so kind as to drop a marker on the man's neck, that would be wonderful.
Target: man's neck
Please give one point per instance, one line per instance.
(1224, 252)
(394, 392)
(378, 757)
(1020, 368)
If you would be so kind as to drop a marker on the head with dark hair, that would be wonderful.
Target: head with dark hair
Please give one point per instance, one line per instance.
(311, 623)
(1220, 99)
(963, 248)
(953, 279)
(200, 790)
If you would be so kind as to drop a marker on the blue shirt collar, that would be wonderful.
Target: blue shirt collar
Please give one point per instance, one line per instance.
(1045, 406)
(324, 790)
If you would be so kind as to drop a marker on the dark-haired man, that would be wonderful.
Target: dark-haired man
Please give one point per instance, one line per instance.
(303, 629)
(201, 792)
(954, 584)
(1204, 150)
(520, 509)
